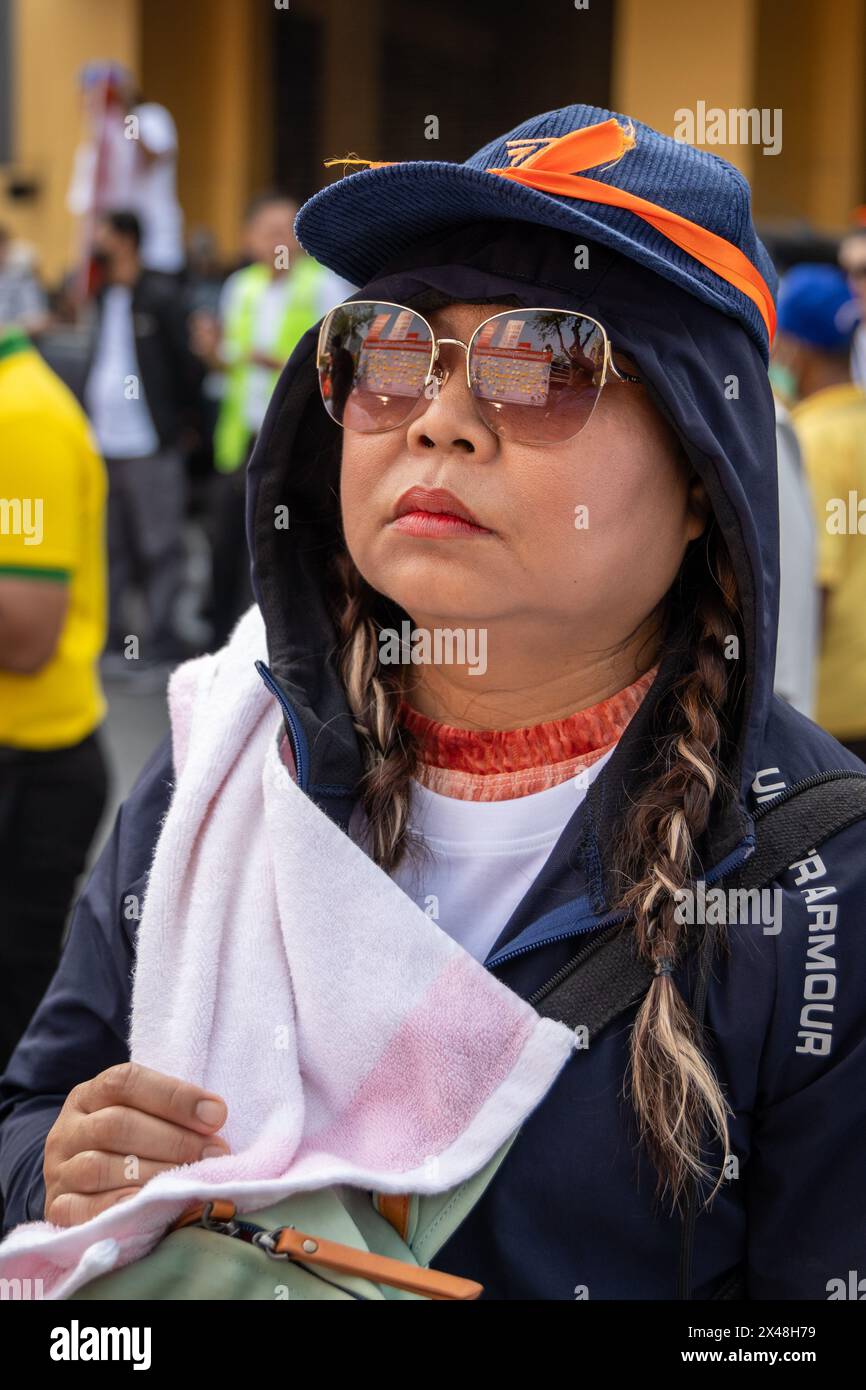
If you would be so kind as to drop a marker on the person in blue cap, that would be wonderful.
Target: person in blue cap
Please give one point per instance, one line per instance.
(818, 316)
(544, 423)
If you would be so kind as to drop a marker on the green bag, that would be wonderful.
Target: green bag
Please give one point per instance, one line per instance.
(227, 1257)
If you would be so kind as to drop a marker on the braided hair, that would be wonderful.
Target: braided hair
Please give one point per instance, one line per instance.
(675, 1092)
(673, 1087)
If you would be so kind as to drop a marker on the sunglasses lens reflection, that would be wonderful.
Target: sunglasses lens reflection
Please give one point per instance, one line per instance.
(535, 374)
(374, 362)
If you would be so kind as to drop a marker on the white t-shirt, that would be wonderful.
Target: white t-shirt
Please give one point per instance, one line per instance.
(114, 394)
(485, 855)
(114, 159)
(147, 187)
(155, 190)
(270, 311)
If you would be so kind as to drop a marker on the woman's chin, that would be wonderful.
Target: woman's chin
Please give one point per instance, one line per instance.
(456, 587)
(430, 602)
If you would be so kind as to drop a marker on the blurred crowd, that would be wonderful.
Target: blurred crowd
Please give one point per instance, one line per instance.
(131, 395)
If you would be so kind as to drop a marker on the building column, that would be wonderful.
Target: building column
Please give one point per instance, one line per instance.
(833, 158)
(208, 61)
(671, 54)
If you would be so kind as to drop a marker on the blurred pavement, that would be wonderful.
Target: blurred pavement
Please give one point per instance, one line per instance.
(137, 717)
(135, 724)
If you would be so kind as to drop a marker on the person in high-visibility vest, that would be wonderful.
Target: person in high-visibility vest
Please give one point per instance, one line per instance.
(264, 309)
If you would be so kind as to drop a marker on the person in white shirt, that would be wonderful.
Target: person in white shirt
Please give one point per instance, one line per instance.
(129, 161)
(141, 395)
(154, 190)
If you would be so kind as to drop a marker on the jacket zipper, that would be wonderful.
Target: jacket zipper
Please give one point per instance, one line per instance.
(567, 969)
(814, 781)
(299, 743)
(746, 849)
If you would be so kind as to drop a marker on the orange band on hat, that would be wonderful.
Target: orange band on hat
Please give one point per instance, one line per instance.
(551, 169)
(553, 165)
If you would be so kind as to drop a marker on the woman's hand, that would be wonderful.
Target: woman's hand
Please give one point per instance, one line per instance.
(120, 1129)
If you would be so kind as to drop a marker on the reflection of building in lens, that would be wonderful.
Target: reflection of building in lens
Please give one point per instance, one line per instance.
(395, 361)
(514, 370)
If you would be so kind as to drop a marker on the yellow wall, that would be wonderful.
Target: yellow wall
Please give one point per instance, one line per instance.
(820, 174)
(670, 54)
(807, 60)
(834, 159)
(208, 62)
(52, 40)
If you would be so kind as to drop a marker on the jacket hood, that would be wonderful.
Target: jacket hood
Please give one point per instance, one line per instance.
(700, 367)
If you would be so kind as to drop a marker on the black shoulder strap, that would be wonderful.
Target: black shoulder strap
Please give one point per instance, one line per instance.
(605, 977)
(800, 819)
(788, 828)
(600, 982)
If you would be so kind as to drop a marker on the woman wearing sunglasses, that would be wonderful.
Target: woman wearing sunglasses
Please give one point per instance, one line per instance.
(540, 434)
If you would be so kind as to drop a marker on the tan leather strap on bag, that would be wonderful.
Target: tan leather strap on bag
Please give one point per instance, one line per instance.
(394, 1207)
(332, 1254)
(379, 1269)
(219, 1211)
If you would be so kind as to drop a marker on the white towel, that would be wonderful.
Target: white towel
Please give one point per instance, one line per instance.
(352, 1039)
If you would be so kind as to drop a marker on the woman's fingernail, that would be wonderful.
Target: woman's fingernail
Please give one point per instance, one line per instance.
(210, 1112)
(213, 1152)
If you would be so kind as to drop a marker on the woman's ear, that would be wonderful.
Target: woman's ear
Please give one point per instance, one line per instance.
(699, 509)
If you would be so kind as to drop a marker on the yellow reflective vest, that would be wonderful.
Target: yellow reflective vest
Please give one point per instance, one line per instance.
(232, 434)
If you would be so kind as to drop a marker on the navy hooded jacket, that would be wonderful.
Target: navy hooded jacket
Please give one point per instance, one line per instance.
(571, 1212)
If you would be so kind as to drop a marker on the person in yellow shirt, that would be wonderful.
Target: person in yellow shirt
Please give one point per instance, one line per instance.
(53, 774)
(817, 318)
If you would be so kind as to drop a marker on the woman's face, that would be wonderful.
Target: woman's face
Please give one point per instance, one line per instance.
(580, 540)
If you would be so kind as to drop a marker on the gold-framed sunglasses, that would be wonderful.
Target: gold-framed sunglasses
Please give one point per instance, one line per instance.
(535, 375)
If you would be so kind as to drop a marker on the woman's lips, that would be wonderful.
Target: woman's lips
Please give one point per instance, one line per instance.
(435, 524)
(434, 512)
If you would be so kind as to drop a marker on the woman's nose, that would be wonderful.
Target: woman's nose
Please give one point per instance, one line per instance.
(450, 421)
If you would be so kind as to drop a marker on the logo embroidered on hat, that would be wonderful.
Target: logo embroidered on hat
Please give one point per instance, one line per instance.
(556, 168)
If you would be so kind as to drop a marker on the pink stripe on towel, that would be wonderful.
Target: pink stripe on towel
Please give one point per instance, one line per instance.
(416, 1076)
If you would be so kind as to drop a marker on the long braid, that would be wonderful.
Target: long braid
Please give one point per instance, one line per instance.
(390, 751)
(674, 1090)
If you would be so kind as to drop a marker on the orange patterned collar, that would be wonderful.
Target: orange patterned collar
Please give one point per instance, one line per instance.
(499, 764)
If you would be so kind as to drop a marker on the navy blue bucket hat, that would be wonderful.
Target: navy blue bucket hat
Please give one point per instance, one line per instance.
(680, 212)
